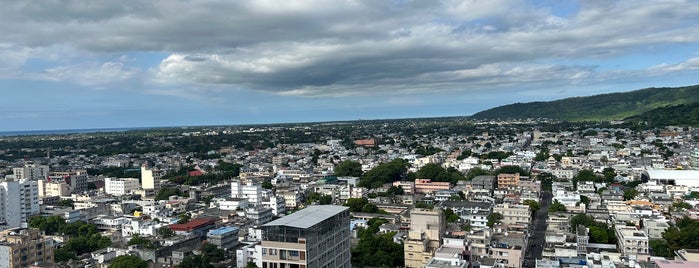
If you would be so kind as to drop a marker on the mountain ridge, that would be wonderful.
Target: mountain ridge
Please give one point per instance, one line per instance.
(601, 107)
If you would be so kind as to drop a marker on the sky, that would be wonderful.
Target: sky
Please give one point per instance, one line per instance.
(74, 64)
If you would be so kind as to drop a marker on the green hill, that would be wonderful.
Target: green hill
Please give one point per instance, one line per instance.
(678, 115)
(604, 107)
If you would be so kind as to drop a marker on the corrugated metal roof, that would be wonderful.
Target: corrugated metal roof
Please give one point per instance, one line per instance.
(308, 217)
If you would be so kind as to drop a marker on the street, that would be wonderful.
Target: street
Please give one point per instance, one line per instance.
(537, 239)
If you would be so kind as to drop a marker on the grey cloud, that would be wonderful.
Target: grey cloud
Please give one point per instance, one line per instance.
(340, 48)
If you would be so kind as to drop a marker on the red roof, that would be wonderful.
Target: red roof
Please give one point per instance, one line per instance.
(192, 225)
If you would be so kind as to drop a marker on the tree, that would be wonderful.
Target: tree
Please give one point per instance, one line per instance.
(63, 254)
(476, 171)
(128, 261)
(141, 241)
(183, 218)
(251, 265)
(325, 200)
(546, 181)
(630, 194)
(599, 235)
(349, 168)
(376, 250)
(533, 205)
(609, 174)
(165, 232)
(585, 200)
(494, 218)
(659, 248)
(267, 185)
(450, 215)
(384, 173)
(213, 253)
(682, 205)
(356, 204)
(511, 170)
(557, 206)
(195, 261)
(433, 172)
(166, 192)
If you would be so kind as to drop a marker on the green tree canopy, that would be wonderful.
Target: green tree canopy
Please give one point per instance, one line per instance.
(141, 241)
(557, 206)
(128, 261)
(450, 215)
(494, 218)
(349, 168)
(630, 194)
(384, 173)
(195, 261)
(376, 250)
(533, 205)
(511, 170)
(165, 232)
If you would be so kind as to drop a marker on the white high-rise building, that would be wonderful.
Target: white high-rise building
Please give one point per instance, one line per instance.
(19, 200)
(150, 179)
(120, 186)
(31, 172)
(253, 193)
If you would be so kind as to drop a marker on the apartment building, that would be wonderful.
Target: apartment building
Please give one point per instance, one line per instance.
(427, 228)
(120, 186)
(513, 214)
(77, 179)
(630, 241)
(19, 200)
(427, 186)
(249, 191)
(317, 236)
(24, 247)
(31, 172)
(508, 180)
(150, 179)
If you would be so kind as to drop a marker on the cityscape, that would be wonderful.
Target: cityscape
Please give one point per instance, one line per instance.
(349, 134)
(430, 192)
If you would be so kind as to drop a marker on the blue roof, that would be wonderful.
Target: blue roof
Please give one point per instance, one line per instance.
(223, 230)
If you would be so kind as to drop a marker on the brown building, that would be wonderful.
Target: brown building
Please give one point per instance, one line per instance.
(24, 247)
(508, 180)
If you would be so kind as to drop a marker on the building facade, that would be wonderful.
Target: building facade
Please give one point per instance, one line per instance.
(19, 200)
(120, 186)
(31, 172)
(24, 247)
(317, 236)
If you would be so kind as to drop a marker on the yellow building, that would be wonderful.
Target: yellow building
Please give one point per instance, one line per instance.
(427, 228)
(23, 247)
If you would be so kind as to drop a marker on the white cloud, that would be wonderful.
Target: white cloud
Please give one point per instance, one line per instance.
(337, 48)
(92, 74)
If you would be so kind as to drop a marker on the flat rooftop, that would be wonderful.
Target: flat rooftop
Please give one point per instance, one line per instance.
(308, 217)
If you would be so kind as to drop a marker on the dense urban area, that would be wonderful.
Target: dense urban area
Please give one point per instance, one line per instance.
(436, 192)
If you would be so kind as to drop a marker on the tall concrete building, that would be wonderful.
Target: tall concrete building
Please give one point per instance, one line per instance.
(427, 228)
(24, 248)
(150, 179)
(315, 237)
(120, 186)
(31, 172)
(249, 191)
(19, 200)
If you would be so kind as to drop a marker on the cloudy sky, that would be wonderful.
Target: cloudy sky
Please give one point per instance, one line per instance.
(97, 64)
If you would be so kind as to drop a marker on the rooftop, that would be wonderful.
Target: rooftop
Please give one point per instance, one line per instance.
(223, 230)
(308, 217)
